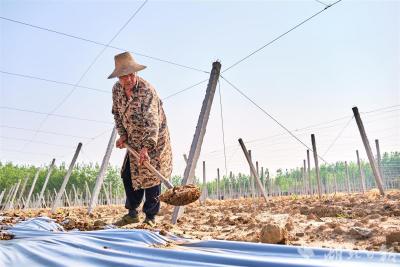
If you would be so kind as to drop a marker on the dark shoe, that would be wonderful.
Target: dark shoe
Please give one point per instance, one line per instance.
(127, 219)
(150, 222)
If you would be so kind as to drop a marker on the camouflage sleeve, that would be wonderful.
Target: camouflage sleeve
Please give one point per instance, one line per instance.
(117, 117)
(151, 120)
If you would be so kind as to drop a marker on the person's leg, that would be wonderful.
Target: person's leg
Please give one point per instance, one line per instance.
(133, 197)
(152, 205)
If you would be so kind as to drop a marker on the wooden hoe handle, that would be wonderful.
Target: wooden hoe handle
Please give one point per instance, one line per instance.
(165, 181)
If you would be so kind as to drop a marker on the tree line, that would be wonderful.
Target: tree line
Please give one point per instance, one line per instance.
(11, 173)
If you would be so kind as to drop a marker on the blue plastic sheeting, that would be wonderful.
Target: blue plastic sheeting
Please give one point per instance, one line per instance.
(42, 242)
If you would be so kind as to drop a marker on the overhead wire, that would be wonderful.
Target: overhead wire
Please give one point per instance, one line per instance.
(54, 115)
(314, 127)
(222, 126)
(338, 136)
(184, 90)
(92, 88)
(269, 115)
(53, 81)
(102, 44)
(86, 71)
(321, 2)
(46, 132)
(279, 37)
(37, 142)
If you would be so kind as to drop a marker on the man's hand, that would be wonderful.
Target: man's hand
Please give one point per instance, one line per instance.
(120, 142)
(144, 156)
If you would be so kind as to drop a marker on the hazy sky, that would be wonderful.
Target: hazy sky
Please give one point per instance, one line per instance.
(349, 55)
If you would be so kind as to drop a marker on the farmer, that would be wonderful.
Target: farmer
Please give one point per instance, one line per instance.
(141, 123)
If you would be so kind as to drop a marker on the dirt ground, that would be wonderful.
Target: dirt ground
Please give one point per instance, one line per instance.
(356, 221)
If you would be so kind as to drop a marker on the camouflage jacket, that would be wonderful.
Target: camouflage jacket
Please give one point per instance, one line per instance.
(142, 119)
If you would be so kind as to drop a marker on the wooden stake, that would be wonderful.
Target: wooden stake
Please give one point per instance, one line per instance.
(67, 198)
(204, 192)
(88, 195)
(75, 195)
(362, 175)
(106, 193)
(21, 193)
(102, 172)
(309, 172)
(66, 178)
(11, 204)
(31, 190)
(1, 196)
(253, 170)
(305, 177)
(218, 185)
(314, 146)
(198, 137)
(379, 159)
(46, 181)
(347, 177)
(372, 162)
(334, 182)
(8, 197)
(251, 177)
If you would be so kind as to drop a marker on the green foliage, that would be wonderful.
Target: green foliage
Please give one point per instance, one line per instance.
(86, 173)
(82, 173)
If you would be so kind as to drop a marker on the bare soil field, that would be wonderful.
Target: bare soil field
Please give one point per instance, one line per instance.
(356, 221)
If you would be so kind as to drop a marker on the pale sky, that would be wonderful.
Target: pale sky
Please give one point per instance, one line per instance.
(349, 55)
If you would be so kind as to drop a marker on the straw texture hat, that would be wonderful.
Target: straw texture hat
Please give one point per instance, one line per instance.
(125, 64)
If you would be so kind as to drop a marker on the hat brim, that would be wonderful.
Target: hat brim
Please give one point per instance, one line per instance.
(126, 70)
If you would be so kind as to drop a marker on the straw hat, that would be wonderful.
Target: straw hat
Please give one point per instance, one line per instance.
(125, 64)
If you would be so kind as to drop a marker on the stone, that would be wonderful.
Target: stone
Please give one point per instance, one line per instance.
(384, 219)
(360, 233)
(393, 237)
(272, 233)
(322, 227)
(373, 216)
(163, 232)
(212, 218)
(314, 217)
(69, 223)
(359, 224)
(99, 223)
(332, 225)
(338, 230)
(5, 235)
(289, 225)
